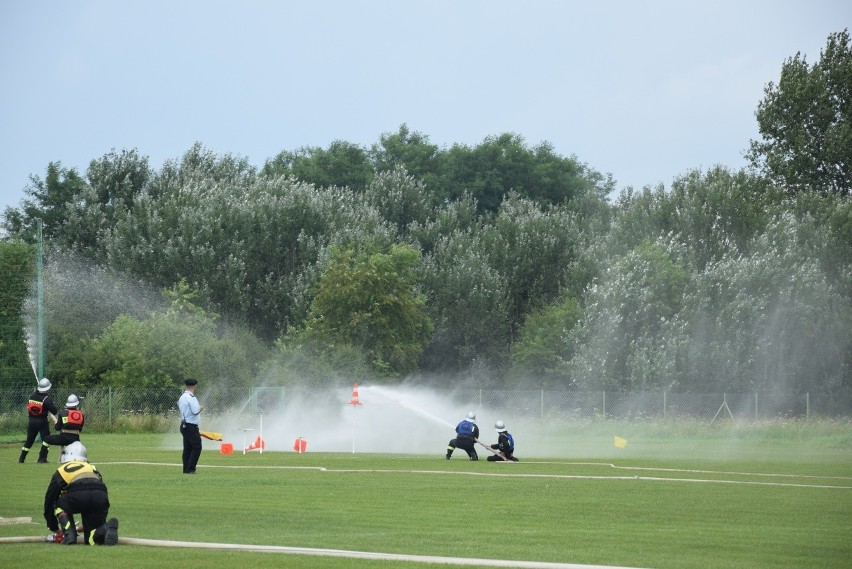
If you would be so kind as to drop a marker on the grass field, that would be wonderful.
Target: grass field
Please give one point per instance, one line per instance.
(771, 496)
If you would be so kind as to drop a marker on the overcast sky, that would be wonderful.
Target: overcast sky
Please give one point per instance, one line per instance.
(643, 90)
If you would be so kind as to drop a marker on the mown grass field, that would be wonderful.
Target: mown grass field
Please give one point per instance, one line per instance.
(677, 498)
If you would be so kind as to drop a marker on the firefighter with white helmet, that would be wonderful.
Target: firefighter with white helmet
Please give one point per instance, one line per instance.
(40, 406)
(505, 446)
(77, 486)
(69, 424)
(467, 433)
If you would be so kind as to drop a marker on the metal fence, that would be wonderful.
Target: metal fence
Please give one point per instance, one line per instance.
(654, 405)
(105, 406)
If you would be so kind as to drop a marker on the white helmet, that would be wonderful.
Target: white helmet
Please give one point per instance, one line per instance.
(500, 426)
(73, 401)
(44, 385)
(471, 416)
(73, 452)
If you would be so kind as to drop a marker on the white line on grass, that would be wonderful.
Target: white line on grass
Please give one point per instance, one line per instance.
(655, 469)
(509, 474)
(471, 561)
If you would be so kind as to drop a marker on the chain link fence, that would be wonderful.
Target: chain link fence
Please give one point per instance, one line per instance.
(113, 408)
(653, 405)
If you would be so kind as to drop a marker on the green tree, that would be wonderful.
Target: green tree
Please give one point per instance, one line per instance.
(826, 229)
(503, 164)
(342, 164)
(805, 122)
(468, 305)
(539, 357)
(709, 212)
(49, 202)
(82, 299)
(118, 177)
(627, 311)
(453, 217)
(114, 183)
(166, 347)
(535, 249)
(765, 321)
(414, 152)
(400, 199)
(369, 300)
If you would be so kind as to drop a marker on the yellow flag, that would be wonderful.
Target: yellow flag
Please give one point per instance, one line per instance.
(211, 435)
(619, 442)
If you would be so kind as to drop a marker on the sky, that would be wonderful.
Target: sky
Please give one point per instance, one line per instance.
(643, 90)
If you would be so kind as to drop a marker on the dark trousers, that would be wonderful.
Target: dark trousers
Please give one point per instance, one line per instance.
(92, 503)
(62, 439)
(35, 428)
(498, 458)
(464, 443)
(191, 446)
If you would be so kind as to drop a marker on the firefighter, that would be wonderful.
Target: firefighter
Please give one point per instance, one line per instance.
(39, 407)
(505, 444)
(69, 423)
(77, 486)
(467, 433)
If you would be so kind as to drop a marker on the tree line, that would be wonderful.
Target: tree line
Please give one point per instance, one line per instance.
(494, 264)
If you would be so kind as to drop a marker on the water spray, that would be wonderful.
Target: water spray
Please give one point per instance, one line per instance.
(402, 402)
(40, 307)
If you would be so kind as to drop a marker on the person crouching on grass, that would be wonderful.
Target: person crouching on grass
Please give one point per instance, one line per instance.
(69, 423)
(77, 486)
(505, 444)
(467, 433)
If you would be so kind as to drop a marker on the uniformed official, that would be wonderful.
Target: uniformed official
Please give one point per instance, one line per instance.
(77, 486)
(39, 407)
(190, 413)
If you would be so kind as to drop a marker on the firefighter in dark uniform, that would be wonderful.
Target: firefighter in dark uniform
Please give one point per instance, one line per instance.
(39, 407)
(77, 486)
(467, 433)
(505, 444)
(69, 424)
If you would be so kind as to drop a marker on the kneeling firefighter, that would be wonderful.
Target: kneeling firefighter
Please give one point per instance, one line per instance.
(505, 444)
(77, 486)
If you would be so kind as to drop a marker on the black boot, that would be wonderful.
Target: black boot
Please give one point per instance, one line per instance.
(23, 456)
(66, 525)
(42, 454)
(111, 537)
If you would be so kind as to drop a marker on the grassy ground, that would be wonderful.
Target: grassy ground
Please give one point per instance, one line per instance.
(687, 497)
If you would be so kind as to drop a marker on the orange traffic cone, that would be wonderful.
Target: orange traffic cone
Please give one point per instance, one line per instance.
(355, 400)
(300, 445)
(257, 444)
